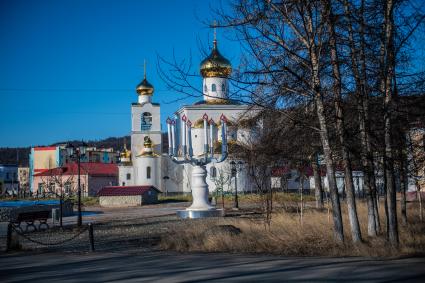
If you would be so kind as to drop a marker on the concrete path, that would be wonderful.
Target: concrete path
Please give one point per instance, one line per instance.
(172, 267)
(97, 214)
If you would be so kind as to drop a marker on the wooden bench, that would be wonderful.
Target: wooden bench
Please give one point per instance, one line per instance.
(29, 218)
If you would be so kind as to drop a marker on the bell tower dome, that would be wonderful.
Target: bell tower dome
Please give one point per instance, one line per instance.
(144, 89)
(215, 69)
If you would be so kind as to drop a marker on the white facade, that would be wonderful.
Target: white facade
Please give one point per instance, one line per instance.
(145, 121)
(147, 171)
(125, 175)
(215, 88)
(142, 168)
(166, 175)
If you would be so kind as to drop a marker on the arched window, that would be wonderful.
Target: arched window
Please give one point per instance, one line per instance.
(213, 172)
(223, 87)
(205, 88)
(148, 172)
(213, 87)
(146, 121)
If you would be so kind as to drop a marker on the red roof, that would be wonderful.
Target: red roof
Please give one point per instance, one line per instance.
(89, 168)
(125, 190)
(45, 148)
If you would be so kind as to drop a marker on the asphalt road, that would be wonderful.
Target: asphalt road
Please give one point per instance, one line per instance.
(172, 267)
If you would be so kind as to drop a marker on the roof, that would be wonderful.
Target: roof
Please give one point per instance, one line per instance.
(87, 168)
(37, 148)
(125, 190)
(225, 102)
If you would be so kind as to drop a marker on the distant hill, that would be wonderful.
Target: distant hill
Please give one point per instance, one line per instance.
(20, 155)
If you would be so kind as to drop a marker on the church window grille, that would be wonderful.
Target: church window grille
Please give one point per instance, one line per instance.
(213, 87)
(205, 88)
(146, 121)
(148, 172)
(128, 176)
(223, 87)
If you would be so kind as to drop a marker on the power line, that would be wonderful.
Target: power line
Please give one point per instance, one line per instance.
(71, 90)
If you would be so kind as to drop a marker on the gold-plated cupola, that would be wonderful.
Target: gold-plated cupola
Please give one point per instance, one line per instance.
(145, 88)
(215, 65)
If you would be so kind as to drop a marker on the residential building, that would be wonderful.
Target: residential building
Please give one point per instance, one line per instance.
(64, 180)
(43, 158)
(9, 184)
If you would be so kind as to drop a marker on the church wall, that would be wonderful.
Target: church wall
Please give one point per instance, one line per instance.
(141, 163)
(219, 92)
(137, 141)
(123, 170)
(136, 114)
(174, 172)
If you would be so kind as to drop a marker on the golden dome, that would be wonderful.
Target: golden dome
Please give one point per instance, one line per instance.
(215, 65)
(145, 88)
(125, 154)
(148, 142)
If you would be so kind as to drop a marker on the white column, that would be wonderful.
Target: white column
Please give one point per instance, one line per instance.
(211, 137)
(173, 137)
(170, 147)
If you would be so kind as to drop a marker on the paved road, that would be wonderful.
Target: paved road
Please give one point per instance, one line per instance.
(171, 267)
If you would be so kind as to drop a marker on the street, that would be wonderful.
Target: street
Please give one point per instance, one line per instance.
(173, 267)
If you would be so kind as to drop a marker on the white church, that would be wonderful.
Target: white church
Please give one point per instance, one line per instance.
(146, 164)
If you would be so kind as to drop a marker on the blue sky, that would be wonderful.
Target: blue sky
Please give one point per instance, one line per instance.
(69, 68)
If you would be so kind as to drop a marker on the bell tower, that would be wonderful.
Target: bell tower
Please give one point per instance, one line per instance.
(145, 118)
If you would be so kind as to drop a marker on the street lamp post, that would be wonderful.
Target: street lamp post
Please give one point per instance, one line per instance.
(75, 153)
(234, 171)
(235, 168)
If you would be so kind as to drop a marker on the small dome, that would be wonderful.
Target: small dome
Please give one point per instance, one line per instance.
(145, 88)
(215, 65)
(125, 154)
(148, 142)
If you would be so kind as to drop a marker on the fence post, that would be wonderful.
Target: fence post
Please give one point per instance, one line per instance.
(91, 237)
(9, 237)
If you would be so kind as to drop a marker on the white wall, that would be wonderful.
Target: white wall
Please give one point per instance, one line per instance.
(123, 170)
(219, 93)
(140, 167)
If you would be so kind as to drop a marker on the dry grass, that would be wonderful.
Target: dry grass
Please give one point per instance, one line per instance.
(286, 236)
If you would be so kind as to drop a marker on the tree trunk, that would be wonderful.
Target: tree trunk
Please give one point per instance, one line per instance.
(318, 189)
(363, 111)
(404, 186)
(418, 193)
(330, 171)
(340, 127)
(388, 109)
(301, 180)
(324, 134)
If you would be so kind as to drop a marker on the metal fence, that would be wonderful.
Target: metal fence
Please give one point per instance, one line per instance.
(140, 234)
